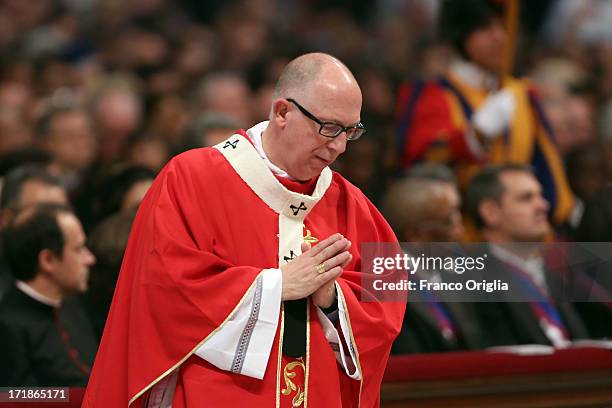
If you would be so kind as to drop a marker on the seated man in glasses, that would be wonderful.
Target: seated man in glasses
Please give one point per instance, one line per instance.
(241, 279)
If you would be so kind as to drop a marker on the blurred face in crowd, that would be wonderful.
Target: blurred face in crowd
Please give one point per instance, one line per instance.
(38, 192)
(14, 133)
(34, 192)
(333, 97)
(227, 94)
(134, 196)
(586, 171)
(431, 211)
(486, 46)
(444, 223)
(117, 116)
(70, 271)
(521, 214)
(152, 153)
(242, 43)
(169, 118)
(14, 95)
(71, 141)
(580, 119)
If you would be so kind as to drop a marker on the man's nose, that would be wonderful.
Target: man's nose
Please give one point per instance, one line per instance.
(90, 258)
(543, 203)
(338, 144)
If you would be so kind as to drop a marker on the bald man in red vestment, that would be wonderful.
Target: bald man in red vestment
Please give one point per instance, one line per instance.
(242, 277)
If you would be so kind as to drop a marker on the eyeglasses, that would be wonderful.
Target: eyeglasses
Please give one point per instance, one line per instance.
(331, 129)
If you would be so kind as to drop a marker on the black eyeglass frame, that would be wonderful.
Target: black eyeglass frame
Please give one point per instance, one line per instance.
(358, 127)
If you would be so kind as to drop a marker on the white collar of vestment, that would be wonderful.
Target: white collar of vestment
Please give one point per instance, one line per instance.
(291, 207)
(255, 134)
(36, 295)
(473, 75)
(253, 167)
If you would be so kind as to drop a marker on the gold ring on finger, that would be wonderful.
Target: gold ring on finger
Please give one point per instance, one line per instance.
(320, 268)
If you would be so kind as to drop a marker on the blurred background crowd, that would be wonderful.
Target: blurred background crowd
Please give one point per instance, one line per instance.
(97, 95)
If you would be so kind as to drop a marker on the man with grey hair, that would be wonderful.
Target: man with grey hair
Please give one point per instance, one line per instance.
(425, 206)
(242, 277)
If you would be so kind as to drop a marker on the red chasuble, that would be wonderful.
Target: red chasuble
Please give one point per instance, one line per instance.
(200, 240)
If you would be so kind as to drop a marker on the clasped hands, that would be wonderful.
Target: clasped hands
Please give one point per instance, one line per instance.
(314, 272)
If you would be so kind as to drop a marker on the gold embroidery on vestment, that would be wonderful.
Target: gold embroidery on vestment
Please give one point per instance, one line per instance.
(290, 387)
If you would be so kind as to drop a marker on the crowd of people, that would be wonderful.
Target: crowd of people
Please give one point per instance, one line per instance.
(96, 97)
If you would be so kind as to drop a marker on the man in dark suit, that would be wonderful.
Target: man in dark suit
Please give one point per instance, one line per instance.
(425, 207)
(44, 341)
(24, 187)
(507, 205)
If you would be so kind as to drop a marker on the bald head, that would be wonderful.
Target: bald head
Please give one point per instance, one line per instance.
(424, 210)
(409, 202)
(313, 89)
(311, 71)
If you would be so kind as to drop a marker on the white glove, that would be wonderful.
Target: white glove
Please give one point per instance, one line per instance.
(495, 114)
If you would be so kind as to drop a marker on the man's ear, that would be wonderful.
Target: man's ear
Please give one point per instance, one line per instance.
(280, 107)
(47, 260)
(490, 212)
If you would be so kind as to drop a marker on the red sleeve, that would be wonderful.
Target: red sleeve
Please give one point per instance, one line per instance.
(425, 126)
(166, 263)
(373, 345)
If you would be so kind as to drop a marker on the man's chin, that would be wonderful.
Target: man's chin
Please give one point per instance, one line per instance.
(536, 237)
(312, 172)
(83, 287)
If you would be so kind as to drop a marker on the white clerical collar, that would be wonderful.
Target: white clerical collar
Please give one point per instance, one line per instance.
(473, 75)
(533, 266)
(36, 295)
(254, 134)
